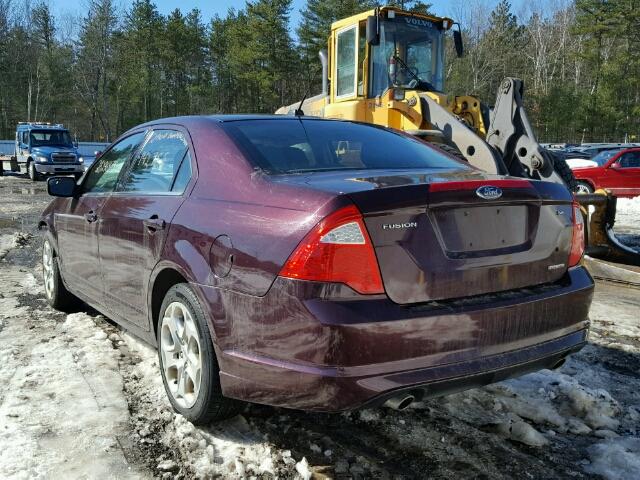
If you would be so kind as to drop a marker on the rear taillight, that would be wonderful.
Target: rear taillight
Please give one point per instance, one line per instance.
(338, 249)
(577, 240)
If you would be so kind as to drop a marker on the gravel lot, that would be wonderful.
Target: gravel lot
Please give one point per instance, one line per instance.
(84, 399)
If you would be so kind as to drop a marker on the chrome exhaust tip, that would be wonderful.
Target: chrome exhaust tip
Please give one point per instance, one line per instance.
(399, 403)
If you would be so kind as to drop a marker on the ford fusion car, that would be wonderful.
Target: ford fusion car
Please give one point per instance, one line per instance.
(316, 264)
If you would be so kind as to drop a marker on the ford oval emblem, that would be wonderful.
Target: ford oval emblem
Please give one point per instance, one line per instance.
(489, 192)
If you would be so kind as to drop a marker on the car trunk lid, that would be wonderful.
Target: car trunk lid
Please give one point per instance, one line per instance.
(459, 238)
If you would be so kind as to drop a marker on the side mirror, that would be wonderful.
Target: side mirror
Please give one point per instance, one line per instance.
(373, 35)
(75, 144)
(457, 40)
(61, 186)
(615, 165)
(97, 153)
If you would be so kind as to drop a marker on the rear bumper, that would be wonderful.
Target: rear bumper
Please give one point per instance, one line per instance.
(333, 355)
(58, 168)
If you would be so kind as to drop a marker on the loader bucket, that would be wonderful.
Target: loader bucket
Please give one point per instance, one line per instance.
(599, 209)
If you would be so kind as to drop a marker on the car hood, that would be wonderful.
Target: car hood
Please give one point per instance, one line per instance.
(49, 150)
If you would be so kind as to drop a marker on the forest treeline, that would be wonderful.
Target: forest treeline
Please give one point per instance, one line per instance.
(111, 69)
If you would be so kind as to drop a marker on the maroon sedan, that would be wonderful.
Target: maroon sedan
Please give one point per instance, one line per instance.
(317, 264)
(615, 170)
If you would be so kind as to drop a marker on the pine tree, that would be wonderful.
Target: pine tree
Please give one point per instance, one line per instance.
(94, 67)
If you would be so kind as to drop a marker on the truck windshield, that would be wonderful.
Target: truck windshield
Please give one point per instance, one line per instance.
(410, 55)
(46, 138)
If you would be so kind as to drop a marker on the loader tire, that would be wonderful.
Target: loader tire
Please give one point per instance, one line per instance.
(450, 149)
(562, 169)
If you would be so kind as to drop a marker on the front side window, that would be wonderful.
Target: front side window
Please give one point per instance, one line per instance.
(104, 175)
(346, 64)
(630, 160)
(158, 167)
(291, 146)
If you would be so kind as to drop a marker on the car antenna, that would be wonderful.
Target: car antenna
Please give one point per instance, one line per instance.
(298, 111)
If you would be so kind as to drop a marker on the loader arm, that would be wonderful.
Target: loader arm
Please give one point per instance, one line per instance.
(477, 152)
(511, 134)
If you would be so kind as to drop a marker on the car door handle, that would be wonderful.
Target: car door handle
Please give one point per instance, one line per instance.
(154, 223)
(90, 216)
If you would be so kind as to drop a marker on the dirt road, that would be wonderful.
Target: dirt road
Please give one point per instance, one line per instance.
(82, 398)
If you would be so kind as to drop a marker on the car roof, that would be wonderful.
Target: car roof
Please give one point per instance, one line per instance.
(41, 127)
(224, 118)
(193, 120)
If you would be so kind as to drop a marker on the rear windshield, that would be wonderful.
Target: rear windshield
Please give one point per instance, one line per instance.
(298, 146)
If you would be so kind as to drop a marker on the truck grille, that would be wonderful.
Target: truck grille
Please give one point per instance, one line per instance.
(63, 158)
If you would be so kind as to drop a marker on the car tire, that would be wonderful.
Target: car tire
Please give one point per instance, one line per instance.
(584, 187)
(185, 352)
(561, 167)
(31, 171)
(55, 292)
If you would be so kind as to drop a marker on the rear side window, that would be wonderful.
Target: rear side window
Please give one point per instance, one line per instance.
(297, 146)
(158, 167)
(104, 175)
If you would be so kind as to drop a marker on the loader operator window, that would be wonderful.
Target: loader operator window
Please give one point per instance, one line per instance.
(346, 64)
(410, 54)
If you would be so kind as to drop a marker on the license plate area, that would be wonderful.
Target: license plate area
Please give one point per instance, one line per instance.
(468, 230)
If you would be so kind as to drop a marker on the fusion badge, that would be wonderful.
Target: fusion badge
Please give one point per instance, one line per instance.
(394, 226)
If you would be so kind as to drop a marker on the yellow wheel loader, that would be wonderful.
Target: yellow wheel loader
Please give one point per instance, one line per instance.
(386, 66)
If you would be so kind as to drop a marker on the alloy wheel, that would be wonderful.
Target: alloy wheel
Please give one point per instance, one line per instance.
(583, 189)
(180, 350)
(47, 268)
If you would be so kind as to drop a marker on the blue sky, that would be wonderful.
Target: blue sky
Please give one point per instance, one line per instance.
(211, 7)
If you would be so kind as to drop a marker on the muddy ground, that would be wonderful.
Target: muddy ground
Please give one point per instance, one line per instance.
(83, 399)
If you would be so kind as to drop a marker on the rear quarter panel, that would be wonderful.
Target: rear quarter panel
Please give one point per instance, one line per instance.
(236, 229)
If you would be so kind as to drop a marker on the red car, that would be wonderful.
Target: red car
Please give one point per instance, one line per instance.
(616, 170)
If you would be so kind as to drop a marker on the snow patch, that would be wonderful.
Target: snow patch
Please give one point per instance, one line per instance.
(229, 449)
(628, 214)
(6, 244)
(553, 398)
(615, 459)
(522, 432)
(62, 398)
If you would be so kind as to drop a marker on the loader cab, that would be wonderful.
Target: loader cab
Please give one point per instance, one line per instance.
(384, 49)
